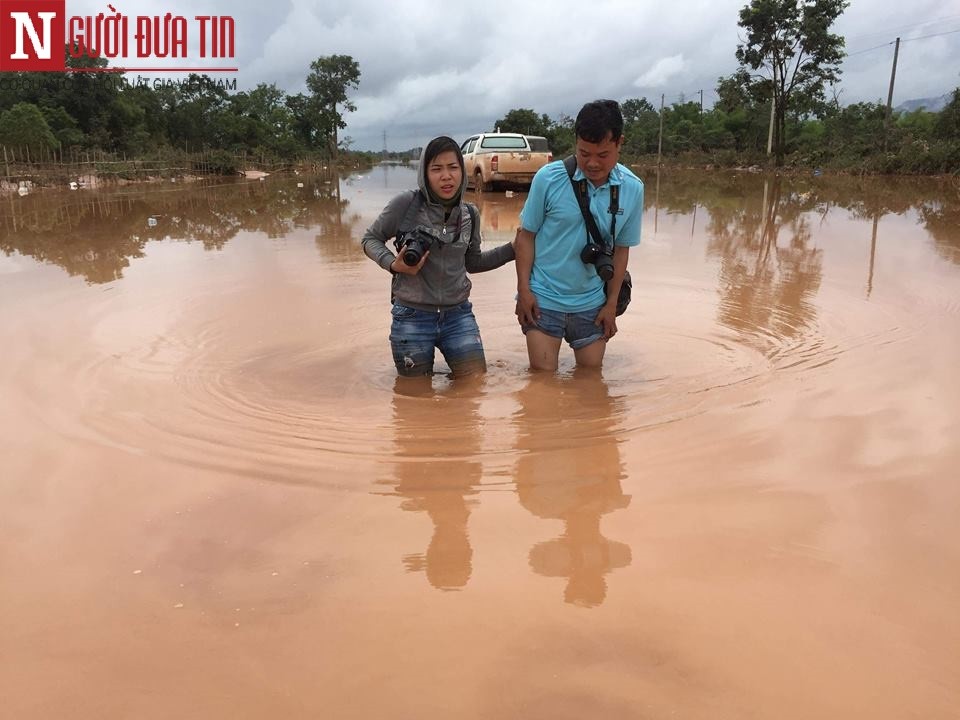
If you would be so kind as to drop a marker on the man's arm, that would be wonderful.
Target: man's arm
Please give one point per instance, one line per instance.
(607, 317)
(528, 312)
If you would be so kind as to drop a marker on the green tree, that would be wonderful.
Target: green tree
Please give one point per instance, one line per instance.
(854, 133)
(917, 124)
(524, 121)
(267, 106)
(743, 109)
(194, 111)
(683, 127)
(641, 126)
(121, 126)
(24, 126)
(947, 126)
(714, 134)
(329, 80)
(154, 128)
(255, 119)
(305, 123)
(790, 43)
(63, 127)
(87, 97)
(735, 92)
(560, 135)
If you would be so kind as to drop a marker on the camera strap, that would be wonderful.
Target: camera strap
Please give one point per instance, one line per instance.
(413, 207)
(472, 211)
(583, 200)
(410, 216)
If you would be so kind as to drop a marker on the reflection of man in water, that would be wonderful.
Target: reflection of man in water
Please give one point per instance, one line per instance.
(437, 440)
(570, 470)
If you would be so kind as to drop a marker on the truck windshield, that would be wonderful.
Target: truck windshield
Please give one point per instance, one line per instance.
(504, 143)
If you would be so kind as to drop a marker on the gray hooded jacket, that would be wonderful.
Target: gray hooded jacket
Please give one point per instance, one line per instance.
(442, 281)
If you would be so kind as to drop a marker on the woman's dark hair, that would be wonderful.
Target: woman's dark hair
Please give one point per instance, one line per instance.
(598, 118)
(439, 145)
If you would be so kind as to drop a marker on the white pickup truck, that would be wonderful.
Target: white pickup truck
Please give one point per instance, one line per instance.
(502, 158)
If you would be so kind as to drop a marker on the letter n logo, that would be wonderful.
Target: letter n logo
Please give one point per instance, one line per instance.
(32, 35)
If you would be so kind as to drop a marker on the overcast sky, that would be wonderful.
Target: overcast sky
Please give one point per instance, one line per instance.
(430, 67)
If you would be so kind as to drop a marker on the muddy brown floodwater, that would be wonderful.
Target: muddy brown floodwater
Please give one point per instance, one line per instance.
(215, 503)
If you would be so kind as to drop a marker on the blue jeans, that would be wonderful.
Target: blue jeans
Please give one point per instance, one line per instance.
(578, 329)
(414, 334)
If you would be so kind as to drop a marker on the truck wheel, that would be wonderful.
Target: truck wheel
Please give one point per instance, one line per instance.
(478, 184)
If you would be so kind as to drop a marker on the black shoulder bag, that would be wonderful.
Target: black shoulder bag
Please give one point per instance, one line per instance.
(580, 191)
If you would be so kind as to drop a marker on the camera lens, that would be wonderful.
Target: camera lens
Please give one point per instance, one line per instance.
(411, 256)
(604, 267)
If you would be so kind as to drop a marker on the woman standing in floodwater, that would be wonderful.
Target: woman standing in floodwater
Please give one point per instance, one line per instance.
(437, 236)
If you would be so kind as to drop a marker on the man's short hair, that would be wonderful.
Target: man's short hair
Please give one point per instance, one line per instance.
(598, 118)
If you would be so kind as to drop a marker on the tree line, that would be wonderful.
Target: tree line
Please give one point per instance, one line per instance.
(734, 132)
(41, 113)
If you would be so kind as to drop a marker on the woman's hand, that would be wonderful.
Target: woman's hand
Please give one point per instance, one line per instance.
(399, 266)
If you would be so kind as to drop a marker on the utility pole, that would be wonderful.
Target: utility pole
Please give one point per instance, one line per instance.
(384, 144)
(660, 140)
(701, 104)
(893, 77)
(873, 253)
(773, 107)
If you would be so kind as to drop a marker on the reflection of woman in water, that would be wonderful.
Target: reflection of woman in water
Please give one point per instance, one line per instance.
(570, 470)
(440, 244)
(428, 425)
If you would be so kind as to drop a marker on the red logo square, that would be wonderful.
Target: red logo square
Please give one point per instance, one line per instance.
(32, 35)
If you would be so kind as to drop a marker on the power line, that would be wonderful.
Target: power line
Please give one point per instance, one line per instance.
(904, 27)
(875, 47)
(904, 40)
(924, 37)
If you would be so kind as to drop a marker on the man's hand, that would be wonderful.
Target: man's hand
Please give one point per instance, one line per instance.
(528, 311)
(607, 319)
(399, 266)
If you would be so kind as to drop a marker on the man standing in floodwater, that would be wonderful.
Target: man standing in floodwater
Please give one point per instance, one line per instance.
(560, 296)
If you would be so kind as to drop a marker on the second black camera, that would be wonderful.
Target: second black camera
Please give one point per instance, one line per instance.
(601, 257)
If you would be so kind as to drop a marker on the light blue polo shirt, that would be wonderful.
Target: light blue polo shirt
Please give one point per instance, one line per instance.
(560, 280)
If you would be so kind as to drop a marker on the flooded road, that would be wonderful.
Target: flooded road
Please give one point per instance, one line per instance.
(217, 502)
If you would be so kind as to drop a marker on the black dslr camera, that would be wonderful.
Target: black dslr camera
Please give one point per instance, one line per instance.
(414, 245)
(602, 257)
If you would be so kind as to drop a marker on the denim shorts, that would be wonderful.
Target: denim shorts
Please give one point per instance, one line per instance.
(414, 334)
(578, 328)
